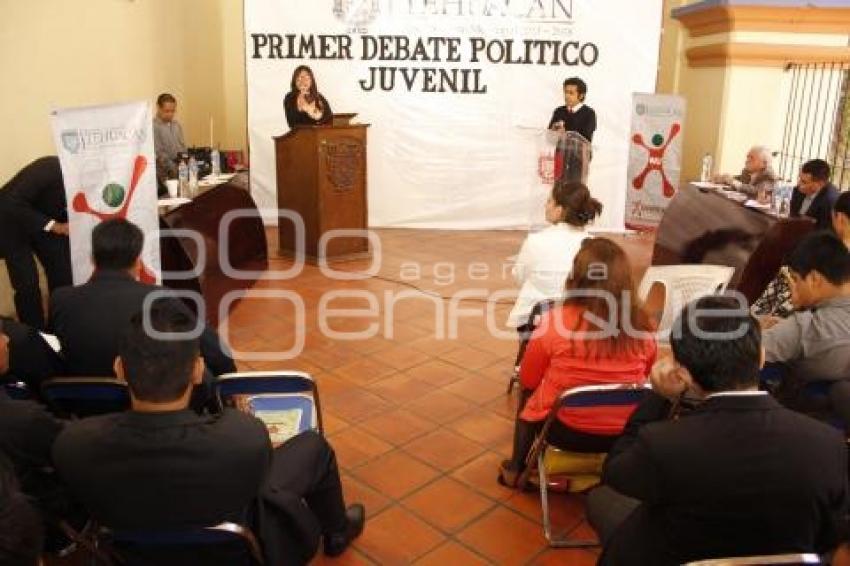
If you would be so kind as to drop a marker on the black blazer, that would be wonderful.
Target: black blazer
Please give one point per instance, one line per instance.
(295, 117)
(165, 470)
(583, 121)
(821, 208)
(35, 196)
(739, 476)
(88, 320)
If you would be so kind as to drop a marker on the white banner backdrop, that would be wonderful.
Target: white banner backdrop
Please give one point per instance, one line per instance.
(457, 92)
(106, 155)
(655, 157)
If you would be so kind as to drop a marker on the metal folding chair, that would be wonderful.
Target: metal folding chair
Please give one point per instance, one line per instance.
(766, 560)
(78, 397)
(616, 395)
(533, 321)
(223, 534)
(273, 391)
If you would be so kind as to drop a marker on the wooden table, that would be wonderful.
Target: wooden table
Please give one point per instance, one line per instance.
(704, 226)
(246, 243)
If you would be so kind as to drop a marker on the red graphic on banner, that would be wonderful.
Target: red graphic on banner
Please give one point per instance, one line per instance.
(655, 160)
(81, 204)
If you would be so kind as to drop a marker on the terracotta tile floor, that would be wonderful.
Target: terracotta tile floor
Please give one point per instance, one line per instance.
(416, 406)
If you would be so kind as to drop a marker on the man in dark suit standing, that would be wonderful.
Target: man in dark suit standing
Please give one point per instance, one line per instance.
(34, 219)
(740, 475)
(814, 196)
(88, 318)
(161, 466)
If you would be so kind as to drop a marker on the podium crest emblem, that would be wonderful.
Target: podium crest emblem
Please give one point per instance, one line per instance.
(343, 161)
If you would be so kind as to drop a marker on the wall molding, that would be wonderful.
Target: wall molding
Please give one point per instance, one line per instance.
(722, 18)
(763, 54)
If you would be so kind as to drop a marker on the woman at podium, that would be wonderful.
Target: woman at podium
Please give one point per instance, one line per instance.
(303, 105)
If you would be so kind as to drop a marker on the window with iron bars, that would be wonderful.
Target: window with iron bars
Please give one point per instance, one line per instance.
(817, 122)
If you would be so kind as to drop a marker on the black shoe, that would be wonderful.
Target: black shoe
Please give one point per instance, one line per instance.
(336, 543)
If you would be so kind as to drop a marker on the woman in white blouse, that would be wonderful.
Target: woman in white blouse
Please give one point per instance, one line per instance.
(546, 257)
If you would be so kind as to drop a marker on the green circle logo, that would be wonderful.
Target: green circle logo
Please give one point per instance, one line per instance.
(113, 194)
(657, 140)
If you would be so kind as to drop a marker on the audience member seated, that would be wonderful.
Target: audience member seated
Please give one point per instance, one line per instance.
(814, 342)
(161, 466)
(31, 359)
(34, 220)
(570, 349)
(545, 259)
(814, 196)
(27, 432)
(740, 475)
(20, 525)
(776, 299)
(757, 178)
(88, 319)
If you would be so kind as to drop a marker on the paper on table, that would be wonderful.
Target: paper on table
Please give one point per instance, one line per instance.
(173, 201)
(219, 178)
(756, 204)
(707, 185)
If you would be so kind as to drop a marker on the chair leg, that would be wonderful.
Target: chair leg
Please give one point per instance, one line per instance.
(514, 380)
(554, 542)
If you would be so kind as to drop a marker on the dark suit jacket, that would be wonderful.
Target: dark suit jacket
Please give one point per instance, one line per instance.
(583, 121)
(739, 476)
(158, 470)
(27, 433)
(89, 319)
(821, 208)
(34, 196)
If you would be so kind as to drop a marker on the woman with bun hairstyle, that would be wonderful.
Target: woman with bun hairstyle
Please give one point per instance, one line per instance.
(545, 259)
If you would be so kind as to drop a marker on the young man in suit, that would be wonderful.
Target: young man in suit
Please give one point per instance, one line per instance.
(34, 219)
(814, 196)
(161, 466)
(89, 318)
(574, 115)
(738, 476)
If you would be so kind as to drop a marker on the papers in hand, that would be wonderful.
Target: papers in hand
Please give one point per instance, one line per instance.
(51, 341)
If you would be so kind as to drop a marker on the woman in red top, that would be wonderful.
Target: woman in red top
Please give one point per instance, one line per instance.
(571, 347)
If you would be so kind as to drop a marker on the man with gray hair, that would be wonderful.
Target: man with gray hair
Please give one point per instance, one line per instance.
(757, 179)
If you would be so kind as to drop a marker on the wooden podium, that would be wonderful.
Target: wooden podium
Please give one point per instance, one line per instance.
(321, 176)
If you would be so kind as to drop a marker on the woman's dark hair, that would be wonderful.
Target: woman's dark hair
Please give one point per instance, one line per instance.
(601, 278)
(313, 94)
(579, 207)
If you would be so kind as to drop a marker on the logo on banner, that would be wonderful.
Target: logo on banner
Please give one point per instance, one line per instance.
(356, 12)
(655, 158)
(361, 12)
(71, 141)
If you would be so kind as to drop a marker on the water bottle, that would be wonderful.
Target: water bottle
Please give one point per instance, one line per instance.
(193, 176)
(705, 173)
(183, 177)
(215, 157)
